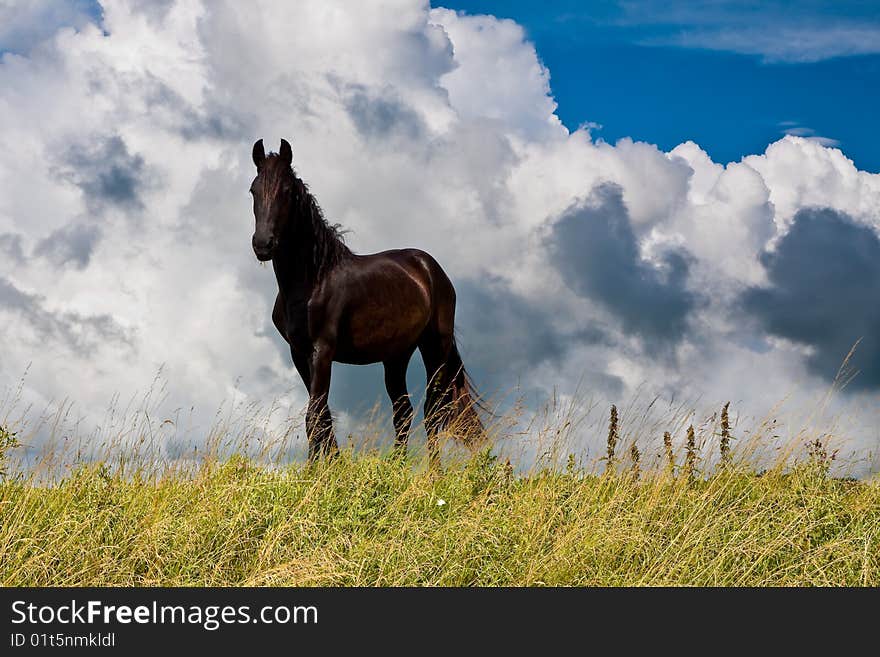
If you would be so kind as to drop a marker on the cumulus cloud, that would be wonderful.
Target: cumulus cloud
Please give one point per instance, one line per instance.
(578, 263)
(497, 74)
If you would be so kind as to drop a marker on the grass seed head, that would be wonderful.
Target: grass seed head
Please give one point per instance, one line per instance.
(725, 435)
(667, 448)
(612, 435)
(635, 456)
(690, 461)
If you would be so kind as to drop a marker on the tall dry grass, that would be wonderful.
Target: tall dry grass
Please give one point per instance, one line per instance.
(715, 515)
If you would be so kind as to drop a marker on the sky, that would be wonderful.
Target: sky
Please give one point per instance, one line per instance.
(634, 201)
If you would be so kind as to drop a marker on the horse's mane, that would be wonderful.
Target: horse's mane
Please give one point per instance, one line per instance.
(328, 245)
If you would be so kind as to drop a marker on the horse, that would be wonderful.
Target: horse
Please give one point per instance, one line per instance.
(336, 306)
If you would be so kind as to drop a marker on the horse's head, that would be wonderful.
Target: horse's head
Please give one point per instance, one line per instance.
(273, 190)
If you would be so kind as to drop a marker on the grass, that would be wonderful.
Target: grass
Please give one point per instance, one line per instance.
(372, 520)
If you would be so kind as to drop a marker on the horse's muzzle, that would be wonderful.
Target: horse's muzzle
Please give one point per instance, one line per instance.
(263, 249)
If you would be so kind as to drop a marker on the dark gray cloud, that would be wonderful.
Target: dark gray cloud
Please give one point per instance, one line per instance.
(213, 122)
(596, 251)
(10, 246)
(503, 336)
(357, 389)
(83, 334)
(70, 245)
(106, 172)
(216, 123)
(824, 292)
(380, 114)
(499, 327)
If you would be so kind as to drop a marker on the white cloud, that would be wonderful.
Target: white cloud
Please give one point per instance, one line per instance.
(498, 75)
(800, 172)
(769, 29)
(785, 43)
(413, 127)
(810, 134)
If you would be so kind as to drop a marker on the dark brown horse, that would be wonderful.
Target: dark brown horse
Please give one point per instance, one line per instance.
(333, 305)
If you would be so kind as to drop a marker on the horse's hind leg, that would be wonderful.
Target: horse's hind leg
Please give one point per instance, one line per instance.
(395, 385)
(434, 349)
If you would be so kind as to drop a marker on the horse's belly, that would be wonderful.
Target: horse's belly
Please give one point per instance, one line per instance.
(375, 333)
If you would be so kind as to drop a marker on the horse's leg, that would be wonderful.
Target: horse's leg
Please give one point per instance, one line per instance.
(395, 385)
(319, 424)
(301, 362)
(434, 349)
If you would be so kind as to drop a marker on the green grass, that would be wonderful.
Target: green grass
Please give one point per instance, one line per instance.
(374, 521)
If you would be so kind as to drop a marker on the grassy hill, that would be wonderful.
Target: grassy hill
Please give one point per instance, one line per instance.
(374, 520)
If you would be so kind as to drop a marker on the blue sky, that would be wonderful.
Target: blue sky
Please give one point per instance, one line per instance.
(732, 76)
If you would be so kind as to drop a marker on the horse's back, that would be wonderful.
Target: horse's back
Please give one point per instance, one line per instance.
(440, 289)
(423, 265)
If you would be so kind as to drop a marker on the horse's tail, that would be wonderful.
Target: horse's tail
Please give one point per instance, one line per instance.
(464, 403)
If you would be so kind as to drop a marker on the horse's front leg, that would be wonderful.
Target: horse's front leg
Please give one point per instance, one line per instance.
(319, 424)
(301, 363)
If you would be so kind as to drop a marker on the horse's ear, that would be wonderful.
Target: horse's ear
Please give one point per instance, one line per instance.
(259, 154)
(286, 153)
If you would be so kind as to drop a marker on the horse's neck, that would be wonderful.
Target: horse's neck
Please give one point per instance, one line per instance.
(293, 273)
(293, 266)
(298, 265)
